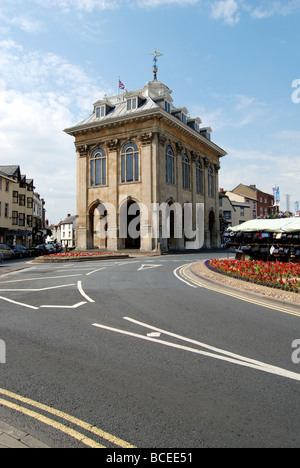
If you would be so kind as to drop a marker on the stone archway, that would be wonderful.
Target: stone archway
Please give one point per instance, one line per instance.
(97, 226)
(130, 225)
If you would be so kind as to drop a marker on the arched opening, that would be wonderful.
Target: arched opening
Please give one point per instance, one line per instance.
(130, 227)
(171, 239)
(97, 235)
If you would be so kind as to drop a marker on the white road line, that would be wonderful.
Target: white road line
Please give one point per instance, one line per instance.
(75, 306)
(95, 271)
(18, 303)
(40, 278)
(178, 277)
(80, 289)
(260, 366)
(38, 290)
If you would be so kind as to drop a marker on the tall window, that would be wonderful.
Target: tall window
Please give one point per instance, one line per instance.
(98, 167)
(199, 177)
(210, 182)
(130, 163)
(186, 169)
(170, 165)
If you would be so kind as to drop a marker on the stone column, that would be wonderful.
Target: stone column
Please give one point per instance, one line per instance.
(82, 222)
(113, 181)
(147, 181)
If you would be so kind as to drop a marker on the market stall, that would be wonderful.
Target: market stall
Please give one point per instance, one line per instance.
(266, 239)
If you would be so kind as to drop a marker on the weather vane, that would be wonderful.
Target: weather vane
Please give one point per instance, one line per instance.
(156, 55)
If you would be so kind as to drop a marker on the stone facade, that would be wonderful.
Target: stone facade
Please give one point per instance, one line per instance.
(137, 150)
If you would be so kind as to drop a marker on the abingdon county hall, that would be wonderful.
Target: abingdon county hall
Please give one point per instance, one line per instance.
(138, 154)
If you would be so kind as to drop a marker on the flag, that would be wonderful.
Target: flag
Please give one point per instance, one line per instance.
(121, 86)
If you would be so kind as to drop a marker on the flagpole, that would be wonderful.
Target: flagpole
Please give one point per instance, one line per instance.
(118, 86)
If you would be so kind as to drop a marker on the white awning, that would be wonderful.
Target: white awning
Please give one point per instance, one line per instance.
(268, 225)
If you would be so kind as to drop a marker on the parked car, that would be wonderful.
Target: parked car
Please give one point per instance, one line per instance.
(6, 252)
(40, 250)
(50, 248)
(1, 257)
(21, 251)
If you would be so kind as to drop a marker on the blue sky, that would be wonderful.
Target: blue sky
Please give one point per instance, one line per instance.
(233, 63)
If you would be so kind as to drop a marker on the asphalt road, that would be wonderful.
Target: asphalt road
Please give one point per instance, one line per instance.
(127, 352)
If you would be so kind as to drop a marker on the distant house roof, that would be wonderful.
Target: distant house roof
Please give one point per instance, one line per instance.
(11, 171)
(69, 220)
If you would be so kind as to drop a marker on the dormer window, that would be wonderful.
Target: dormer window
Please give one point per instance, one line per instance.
(132, 103)
(180, 115)
(100, 111)
(167, 107)
(102, 108)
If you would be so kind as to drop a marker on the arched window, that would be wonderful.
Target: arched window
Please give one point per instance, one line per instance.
(210, 182)
(170, 165)
(98, 168)
(199, 177)
(130, 163)
(186, 169)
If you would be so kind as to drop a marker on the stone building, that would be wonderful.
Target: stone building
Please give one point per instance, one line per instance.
(137, 151)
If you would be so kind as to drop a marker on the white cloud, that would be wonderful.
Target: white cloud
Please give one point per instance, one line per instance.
(227, 10)
(282, 8)
(156, 3)
(40, 95)
(86, 5)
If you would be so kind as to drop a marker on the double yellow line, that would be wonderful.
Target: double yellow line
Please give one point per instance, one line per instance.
(273, 306)
(59, 426)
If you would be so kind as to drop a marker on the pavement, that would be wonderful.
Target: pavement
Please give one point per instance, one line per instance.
(11, 437)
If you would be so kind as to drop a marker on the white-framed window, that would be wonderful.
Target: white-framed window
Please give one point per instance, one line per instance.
(130, 163)
(100, 111)
(199, 177)
(186, 170)
(170, 165)
(132, 103)
(98, 167)
(210, 182)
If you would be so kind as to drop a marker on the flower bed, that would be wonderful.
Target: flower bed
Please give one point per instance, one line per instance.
(279, 275)
(78, 257)
(78, 254)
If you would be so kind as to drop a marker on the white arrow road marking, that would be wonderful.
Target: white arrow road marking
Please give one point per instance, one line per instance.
(228, 357)
(147, 267)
